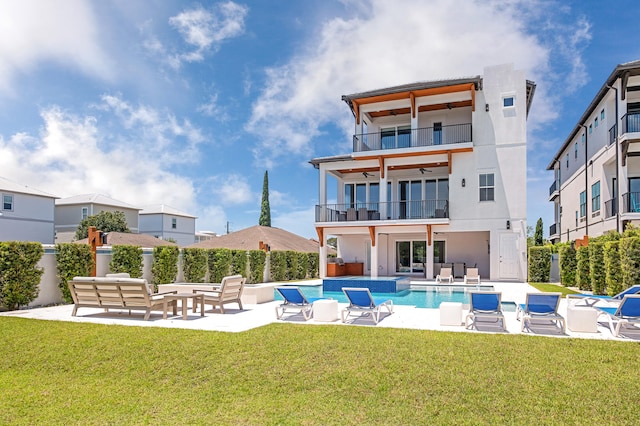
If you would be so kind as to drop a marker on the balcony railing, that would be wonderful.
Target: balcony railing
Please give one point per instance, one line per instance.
(411, 138)
(610, 208)
(553, 229)
(398, 210)
(631, 202)
(631, 123)
(553, 188)
(613, 134)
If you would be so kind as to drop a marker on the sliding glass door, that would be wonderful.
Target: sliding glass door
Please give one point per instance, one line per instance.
(411, 257)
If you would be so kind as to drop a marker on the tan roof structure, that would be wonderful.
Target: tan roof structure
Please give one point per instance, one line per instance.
(129, 239)
(250, 238)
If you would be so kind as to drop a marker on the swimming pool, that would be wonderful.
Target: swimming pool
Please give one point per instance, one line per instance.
(420, 296)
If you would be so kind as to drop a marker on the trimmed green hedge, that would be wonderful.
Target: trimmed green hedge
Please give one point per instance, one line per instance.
(72, 260)
(239, 262)
(539, 264)
(313, 265)
(126, 258)
(219, 261)
(568, 265)
(194, 264)
(278, 265)
(19, 274)
(257, 259)
(630, 261)
(165, 264)
(583, 278)
(597, 273)
(612, 267)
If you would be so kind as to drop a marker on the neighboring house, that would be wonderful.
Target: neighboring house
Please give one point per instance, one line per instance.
(26, 214)
(596, 185)
(257, 237)
(71, 211)
(129, 239)
(167, 223)
(205, 235)
(437, 176)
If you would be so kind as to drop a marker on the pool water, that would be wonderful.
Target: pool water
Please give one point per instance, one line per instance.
(422, 297)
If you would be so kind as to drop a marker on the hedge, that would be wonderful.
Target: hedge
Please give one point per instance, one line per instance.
(278, 265)
(257, 259)
(539, 264)
(194, 264)
(126, 258)
(72, 260)
(597, 273)
(219, 261)
(19, 274)
(239, 262)
(612, 267)
(630, 261)
(568, 265)
(583, 278)
(165, 264)
(313, 265)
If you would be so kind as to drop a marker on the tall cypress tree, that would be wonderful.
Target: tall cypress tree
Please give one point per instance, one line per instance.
(265, 211)
(538, 234)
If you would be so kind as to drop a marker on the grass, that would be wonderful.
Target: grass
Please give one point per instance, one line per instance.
(550, 288)
(74, 373)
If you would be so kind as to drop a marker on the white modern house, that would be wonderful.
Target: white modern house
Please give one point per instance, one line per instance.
(596, 185)
(70, 211)
(168, 223)
(436, 175)
(26, 214)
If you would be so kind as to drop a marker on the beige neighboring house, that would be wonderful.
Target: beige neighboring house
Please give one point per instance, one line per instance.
(129, 239)
(251, 239)
(205, 235)
(70, 211)
(26, 214)
(165, 222)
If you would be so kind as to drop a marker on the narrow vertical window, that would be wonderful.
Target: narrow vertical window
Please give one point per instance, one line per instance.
(84, 213)
(487, 187)
(575, 150)
(595, 197)
(174, 223)
(7, 202)
(583, 203)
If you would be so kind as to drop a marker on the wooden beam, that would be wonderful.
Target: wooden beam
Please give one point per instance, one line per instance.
(356, 111)
(412, 97)
(415, 154)
(381, 162)
(418, 166)
(449, 160)
(359, 170)
(625, 81)
(372, 233)
(446, 105)
(429, 235)
(473, 98)
(417, 93)
(320, 232)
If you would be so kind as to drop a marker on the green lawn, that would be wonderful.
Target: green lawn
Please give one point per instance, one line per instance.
(549, 288)
(72, 373)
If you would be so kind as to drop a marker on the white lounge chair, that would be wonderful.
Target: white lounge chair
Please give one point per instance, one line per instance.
(540, 306)
(446, 274)
(472, 276)
(487, 305)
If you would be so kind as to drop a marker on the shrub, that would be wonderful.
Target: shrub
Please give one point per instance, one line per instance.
(219, 261)
(194, 264)
(278, 265)
(128, 259)
(257, 260)
(612, 267)
(292, 264)
(597, 272)
(583, 279)
(19, 274)
(165, 264)
(303, 264)
(313, 265)
(630, 261)
(73, 260)
(539, 264)
(239, 262)
(568, 265)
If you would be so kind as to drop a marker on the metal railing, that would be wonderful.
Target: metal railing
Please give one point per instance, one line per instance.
(397, 210)
(631, 123)
(631, 202)
(613, 134)
(553, 229)
(553, 188)
(610, 208)
(410, 138)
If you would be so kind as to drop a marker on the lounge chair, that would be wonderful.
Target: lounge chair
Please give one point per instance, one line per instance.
(592, 299)
(295, 300)
(485, 304)
(230, 291)
(445, 274)
(360, 300)
(472, 276)
(540, 306)
(628, 312)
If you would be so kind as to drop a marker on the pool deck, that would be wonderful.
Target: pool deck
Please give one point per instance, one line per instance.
(259, 315)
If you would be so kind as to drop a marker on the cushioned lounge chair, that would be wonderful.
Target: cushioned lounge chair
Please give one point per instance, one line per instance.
(627, 313)
(472, 276)
(485, 305)
(295, 300)
(592, 299)
(540, 306)
(361, 300)
(446, 274)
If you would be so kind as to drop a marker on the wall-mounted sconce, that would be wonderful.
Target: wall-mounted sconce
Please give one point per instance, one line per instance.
(463, 183)
(486, 107)
(508, 224)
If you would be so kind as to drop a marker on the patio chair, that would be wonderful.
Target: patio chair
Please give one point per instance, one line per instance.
(540, 306)
(485, 304)
(361, 300)
(294, 299)
(627, 313)
(445, 274)
(230, 291)
(352, 214)
(592, 299)
(472, 276)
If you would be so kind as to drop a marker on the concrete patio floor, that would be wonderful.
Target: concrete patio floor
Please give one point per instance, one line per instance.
(259, 315)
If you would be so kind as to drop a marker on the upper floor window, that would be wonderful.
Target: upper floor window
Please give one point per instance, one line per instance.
(395, 137)
(174, 223)
(575, 150)
(7, 202)
(590, 128)
(567, 160)
(602, 115)
(595, 122)
(85, 212)
(487, 187)
(595, 197)
(508, 101)
(583, 139)
(583, 203)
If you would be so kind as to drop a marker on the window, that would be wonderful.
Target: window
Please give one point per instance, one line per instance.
(590, 128)
(595, 197)
(395, 137)
(602, 115)
(508, 101)
(84, 213)
(487, 187)
(174, 223)
(575, 150)
(576, 218)
(411, 256)
(567, 158)
(7, 202)
(595, 122)
(583, 203)
(583, 139)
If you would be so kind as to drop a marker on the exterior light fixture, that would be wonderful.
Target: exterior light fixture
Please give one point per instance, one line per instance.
(486, 107)
(463, 183)
(508, 224)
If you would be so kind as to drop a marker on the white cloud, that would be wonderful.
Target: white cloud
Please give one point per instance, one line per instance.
(388, 43)
(232, 189)
(212, 108)
(66, 32)
(297, 221)
(205, 30)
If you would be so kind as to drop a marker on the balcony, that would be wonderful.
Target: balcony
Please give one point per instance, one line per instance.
(553, 231)
(631, 202)
(398, 210)
(631, 123)
(554, 190)
(412, 138)
(610, 208)
(613, 134)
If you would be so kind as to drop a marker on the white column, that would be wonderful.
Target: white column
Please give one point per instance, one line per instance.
(374, 257)
(383, 194)
(430, 257)
(323, 259)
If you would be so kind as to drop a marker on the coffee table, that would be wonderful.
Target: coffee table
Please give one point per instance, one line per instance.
(184, 298)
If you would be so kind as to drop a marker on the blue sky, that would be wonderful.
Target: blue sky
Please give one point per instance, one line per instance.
(188, 103)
